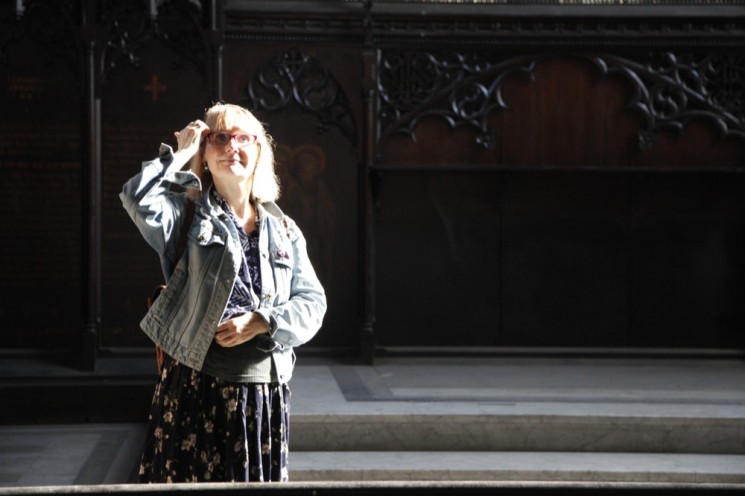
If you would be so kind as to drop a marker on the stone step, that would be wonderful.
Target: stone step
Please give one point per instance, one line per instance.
(642, 406)
(500, 432)
(654, 468)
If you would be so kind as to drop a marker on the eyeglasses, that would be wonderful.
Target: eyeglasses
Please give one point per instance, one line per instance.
(222, 139)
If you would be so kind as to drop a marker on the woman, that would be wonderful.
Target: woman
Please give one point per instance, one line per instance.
(241, 295)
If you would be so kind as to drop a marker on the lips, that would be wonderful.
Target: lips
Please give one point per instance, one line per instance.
(231, 161)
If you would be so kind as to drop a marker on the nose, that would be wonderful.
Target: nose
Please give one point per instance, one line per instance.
(232, 144)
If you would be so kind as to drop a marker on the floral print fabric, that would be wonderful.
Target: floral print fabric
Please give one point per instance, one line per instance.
(204, 429)
(247, 286)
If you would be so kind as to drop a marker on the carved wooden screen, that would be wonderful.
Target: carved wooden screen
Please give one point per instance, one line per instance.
(560, 199)
(539, 173)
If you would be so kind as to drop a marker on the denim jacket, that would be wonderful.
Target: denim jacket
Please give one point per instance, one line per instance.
(184, 318)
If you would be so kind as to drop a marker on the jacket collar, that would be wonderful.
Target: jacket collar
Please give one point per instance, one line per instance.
(266, 208)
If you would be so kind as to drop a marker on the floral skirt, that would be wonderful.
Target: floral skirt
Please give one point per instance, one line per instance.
(206, 429)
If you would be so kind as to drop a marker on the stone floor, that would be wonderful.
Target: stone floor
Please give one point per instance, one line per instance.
(510, 419)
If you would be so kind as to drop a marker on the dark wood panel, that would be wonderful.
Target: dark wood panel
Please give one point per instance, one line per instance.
(438, 270)
(699, 145)
(688, 279)
(532, 131)
(40, 200)
(565, 261)
(560, 259)
(568, 114)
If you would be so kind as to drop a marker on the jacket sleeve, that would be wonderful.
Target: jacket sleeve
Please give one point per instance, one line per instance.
(154, 207)
(297, 320)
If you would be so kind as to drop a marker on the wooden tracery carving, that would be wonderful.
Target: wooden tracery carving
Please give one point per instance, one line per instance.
(669, 89)
(294, 76)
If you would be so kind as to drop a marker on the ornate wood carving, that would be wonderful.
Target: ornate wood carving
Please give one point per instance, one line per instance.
(123, 28)
(461, 88)
(671, 89)
(127, 28)
(464, 88)
(293, 76)
(54, 26)
(180, 26)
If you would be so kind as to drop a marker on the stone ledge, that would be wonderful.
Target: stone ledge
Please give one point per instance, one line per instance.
(393, 488)
(548, 467)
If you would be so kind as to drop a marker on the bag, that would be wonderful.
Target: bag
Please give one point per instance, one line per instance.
(160, 356)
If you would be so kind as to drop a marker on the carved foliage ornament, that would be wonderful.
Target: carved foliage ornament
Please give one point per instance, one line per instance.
(293, 76)
(672, 89)
(463, 89)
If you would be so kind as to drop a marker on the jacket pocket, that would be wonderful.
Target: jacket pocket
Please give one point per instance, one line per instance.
(205, 233)
(282, 267)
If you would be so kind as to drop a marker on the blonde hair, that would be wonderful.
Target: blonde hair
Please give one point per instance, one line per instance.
(227, 116)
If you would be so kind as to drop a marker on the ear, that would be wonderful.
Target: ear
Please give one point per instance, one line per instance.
(258, 155)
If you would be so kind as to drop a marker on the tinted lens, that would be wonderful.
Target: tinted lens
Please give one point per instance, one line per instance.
(244, 139)
(222, 139)
(219, 139)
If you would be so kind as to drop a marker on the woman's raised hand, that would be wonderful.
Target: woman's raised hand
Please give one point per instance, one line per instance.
(189, 138)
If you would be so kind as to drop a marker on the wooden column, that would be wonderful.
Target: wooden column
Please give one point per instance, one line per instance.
(367, 226)
(217, 41)
(91, 188)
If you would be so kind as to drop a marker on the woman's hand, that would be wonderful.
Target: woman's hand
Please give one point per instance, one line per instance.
(190, 137)
(240, 329)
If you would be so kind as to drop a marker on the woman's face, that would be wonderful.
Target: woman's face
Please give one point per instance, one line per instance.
(231, 154)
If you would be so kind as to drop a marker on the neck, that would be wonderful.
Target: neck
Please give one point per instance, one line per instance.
(238, 197)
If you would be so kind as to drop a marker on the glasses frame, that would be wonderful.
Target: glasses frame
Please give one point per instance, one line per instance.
(252, 139)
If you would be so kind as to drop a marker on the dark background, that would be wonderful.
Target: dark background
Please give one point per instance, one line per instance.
(470, 177)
